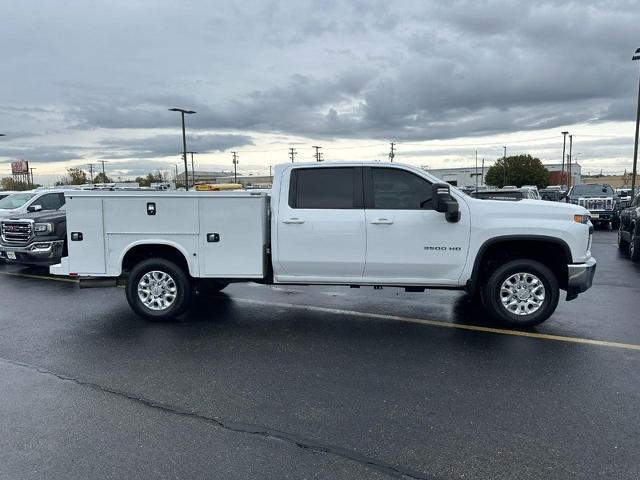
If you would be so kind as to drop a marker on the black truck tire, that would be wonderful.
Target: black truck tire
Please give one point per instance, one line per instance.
(521, 293)
(622, 243)
(634, 245)
(158, 289)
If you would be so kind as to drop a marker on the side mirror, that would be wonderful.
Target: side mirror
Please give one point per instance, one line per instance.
(34, 208)
(443, 202)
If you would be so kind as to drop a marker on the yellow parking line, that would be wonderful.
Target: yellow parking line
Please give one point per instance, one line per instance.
(436, 323)
(40, 277)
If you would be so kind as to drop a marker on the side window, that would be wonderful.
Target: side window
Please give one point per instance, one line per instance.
(50, 201)
(61, 199)
(396, 189)
(325, 188)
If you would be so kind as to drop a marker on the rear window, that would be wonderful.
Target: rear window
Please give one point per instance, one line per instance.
(322, 188)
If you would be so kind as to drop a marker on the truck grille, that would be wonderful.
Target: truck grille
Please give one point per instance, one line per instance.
(596, 203)
(16, 233)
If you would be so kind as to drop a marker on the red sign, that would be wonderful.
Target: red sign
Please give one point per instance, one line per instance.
(20, 167)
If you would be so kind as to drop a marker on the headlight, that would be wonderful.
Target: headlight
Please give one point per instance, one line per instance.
(42, 228)
(582, 218)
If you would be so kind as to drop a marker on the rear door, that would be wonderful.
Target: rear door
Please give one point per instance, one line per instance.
(321, 231)
(407, 241)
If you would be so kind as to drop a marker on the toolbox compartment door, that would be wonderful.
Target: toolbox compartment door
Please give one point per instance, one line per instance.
(85, 217)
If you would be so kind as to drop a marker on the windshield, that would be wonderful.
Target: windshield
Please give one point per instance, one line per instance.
(592, 190)
(16, 200)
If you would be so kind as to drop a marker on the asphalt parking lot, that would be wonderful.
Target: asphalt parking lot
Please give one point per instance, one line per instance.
(318, 382)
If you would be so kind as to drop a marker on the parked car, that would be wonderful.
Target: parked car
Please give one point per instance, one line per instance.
(629, 232)
(505, 194)
(347, 223)
(551, 194)
(625, 196)
(534, 189)
(601, 201)
(35, 233)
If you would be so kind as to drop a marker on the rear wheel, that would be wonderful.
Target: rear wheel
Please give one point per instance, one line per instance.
(634, 245)
(521, 293)
(158, 289)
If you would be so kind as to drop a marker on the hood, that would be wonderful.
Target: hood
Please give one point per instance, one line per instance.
(5, 213)
(43, 216)
(524, 208)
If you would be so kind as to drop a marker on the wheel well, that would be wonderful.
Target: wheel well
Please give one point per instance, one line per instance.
(552, 254)
(143, 252)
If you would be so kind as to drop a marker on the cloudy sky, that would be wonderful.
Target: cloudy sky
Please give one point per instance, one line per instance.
(84, 81)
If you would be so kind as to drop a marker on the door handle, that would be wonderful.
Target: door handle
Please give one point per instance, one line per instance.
(295, 221)
(381, 221)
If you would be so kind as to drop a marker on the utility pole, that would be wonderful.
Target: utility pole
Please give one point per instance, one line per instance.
(564, 145)
(184, 143)
(636, 56)
(32, 169)
(103, 162)
(235, 167)
(270, 174)
(569, 161)
(504, 167)
(476, 175)
(176, 165)
(193, 172)
(483, 182)
(392, 152)
(292, 154)
(317, 153)
(91, 171)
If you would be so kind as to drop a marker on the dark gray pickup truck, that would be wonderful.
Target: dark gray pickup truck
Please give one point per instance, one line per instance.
(34, 238)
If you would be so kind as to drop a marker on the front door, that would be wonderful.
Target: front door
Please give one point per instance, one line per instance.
(321, 230)
(407, 241)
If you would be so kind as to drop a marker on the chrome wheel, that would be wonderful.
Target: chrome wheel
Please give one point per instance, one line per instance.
(157, 290)
(522, 294)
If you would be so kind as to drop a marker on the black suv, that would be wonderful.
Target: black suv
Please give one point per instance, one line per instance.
(600, 200)
(37, 237)
(629, 233)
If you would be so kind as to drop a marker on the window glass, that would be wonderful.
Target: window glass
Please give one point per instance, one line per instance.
(50, 201)
(325, 188)
(15, 200)
(396, 189)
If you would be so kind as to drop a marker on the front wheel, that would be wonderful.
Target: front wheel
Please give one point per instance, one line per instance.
(158, 289)
(521, 293)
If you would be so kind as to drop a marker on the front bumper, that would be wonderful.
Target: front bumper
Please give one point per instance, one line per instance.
(580, 277)
(36, 253)
(604, 215)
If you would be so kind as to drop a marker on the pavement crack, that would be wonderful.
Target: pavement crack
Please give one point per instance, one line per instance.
(239, 427)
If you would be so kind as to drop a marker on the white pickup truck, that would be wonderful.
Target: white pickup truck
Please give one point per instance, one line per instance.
(348, 223)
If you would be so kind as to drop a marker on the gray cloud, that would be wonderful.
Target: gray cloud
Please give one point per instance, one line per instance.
(417, 70)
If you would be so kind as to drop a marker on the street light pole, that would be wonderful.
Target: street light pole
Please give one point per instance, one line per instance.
(636, 56)
(193, 172)
(184, 144)
(564, 146)
(569, 161)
